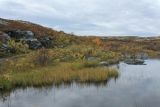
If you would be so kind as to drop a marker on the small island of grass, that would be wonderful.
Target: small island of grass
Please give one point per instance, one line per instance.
(40, 69)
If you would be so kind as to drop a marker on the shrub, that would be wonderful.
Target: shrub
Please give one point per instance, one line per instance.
(17, 47)
(42, 57)
(97, 41)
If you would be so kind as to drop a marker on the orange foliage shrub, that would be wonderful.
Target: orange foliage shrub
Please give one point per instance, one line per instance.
(97, 41)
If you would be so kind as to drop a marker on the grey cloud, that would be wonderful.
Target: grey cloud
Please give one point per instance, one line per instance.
(89, 17)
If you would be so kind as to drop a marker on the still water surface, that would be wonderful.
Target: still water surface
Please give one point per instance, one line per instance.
(137, 86)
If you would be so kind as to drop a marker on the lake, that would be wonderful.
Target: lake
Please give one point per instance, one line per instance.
(137, 86)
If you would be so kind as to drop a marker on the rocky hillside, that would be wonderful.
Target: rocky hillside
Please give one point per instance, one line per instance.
(36, 36)
(18, 36)
(38, 30)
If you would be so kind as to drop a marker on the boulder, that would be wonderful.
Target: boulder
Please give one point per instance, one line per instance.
(67, 58)
(19, 34)
(25, 37)
(109, 62)
(34, 44)
(134, 61)
(29, 38)
(46, 42)
(104, 63)
(91, 58)
(4, 37)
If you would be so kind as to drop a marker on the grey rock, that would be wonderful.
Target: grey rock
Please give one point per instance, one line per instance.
(67, 58)
(25, 37)
(4, 37)
(134, 61)
(29, 38)
(34, 44)
(91, 58)
(29, 34)
(104, 63)
(19, 34)
(46, 42)
(109, 62)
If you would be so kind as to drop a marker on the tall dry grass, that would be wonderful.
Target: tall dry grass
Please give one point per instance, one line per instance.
(60, 73)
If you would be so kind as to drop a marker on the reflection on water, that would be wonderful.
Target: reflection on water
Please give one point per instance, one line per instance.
(137, 86)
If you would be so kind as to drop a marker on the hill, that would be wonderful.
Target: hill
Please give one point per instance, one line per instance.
(37, 36)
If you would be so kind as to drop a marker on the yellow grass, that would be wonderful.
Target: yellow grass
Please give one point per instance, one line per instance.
(59, 73)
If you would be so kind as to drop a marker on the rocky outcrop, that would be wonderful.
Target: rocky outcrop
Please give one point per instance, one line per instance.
(33, 44)
(46, 42)
(25, 37)
(21, 35)
(29, 38)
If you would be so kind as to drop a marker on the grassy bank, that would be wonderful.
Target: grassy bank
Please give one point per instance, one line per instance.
(20, 73)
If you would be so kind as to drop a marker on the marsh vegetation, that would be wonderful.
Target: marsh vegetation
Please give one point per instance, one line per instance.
(40, 68)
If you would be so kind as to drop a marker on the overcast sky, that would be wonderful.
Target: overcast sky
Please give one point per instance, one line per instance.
(89, 17)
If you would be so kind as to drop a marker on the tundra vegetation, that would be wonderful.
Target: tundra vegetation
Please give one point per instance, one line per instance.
(40, 68)
(65, 57)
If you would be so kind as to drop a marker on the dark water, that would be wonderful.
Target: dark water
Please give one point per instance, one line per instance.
(137, 86)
